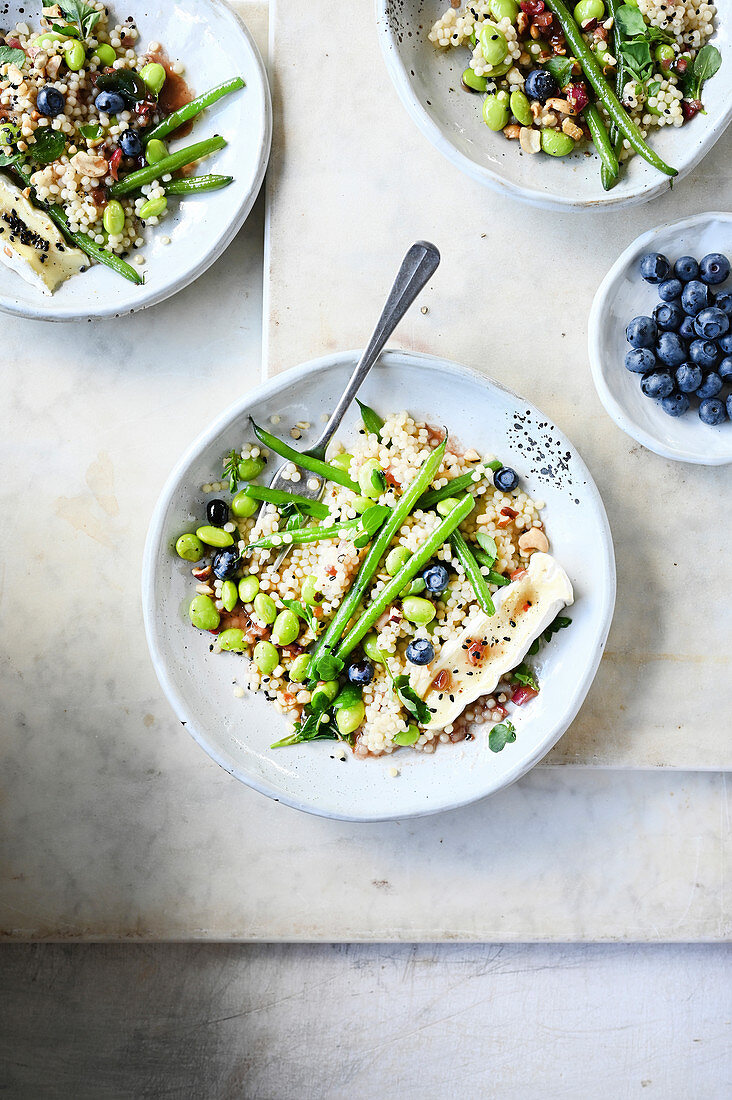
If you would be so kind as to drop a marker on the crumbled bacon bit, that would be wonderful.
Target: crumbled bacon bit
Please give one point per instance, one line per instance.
(544, 19)
(681, 65)
(114, 162)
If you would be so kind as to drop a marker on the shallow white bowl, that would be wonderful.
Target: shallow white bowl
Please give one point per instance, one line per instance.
(238, 732)
(428, 83)
(623, 295)
(213, 45)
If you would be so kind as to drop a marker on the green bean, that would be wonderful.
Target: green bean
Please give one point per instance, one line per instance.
(434, 496)
(372, 422)
(608, 180)
(196, 185)
(302, 535)
(391, 591)
(596, 77)
(281, 498)
(81, 240)
(497, 578)
(314, 465)
(330, 637)
(601, 140)
(172, 163)
(473, 573)
(190, 110)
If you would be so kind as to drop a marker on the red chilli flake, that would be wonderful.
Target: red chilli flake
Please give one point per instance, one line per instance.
(114, 162)
(509, 512)
(523, 695)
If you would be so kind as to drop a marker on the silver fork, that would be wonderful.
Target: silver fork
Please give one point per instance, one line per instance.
(418, 266)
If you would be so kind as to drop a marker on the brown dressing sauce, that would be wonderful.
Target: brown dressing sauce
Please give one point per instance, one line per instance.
(175, 92)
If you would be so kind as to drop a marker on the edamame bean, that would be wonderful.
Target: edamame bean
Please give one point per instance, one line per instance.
(153, 208)
(493, 43)
(215, 536)
(189, 547)
(8, 133)
(249, 468)
(414, 587)
(445, 506)
(155, 150)
(555, 143)
(154, 76)
(348, 719)
(521, 108)
(504, 9)
(105, 53)
(311, 594)
(589, 9)
(417, 610)
(396, 558)
(265, 657)
(495, 110)
(114, 218)
(232, 640)
(324, 693)
(75, 55)
(248, 589)
(286, 628)
(360, 504)
(48, 38)
(370, 646)
(203, 614)
(298, 670)
(229, 595)
(474, 82)
(342, 461)
(409, 736)
(243, 506)
(265, 608)
(371, 480)
(602, 50)
(665, 53)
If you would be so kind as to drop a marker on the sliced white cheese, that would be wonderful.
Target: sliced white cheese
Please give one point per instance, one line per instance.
(491, 645)
(31, 245)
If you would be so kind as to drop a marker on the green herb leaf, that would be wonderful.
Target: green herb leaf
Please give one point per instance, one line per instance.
(48, 146)
(65, 29)
(378, 481)
(309, 729)
(560, 623)
(630, 21)
(5, 162)
(706, 64)
(91, 132)
(561, 70)
(638, 58)
(410, 700)
(372, 519)
(303, 612)
(501, 735)
(524, 674)
(348, 696)
(372, 422)
(654, 87)
(326, 667)
(488, 544)
(76, 11)
(12, 55)
(231, 469)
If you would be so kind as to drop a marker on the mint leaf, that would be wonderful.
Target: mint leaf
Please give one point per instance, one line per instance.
(48, 146)
(501, 735)
(303, 612)
(410, 700)
(76, 11)
(524, 674)
(706, 64)
(309, 729)
(372, 422)
(11, 55)
(91, 132)
(561, 70)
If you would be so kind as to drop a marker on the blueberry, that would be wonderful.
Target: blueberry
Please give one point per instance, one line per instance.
(226, 562)
(540, 84)
(711, 411)
(704, 353)
(713, 268)
(669, 316)
(688, 377)
(676, 404)
(686, 328)
(711, 386)
(725, 343)
(641, 332)
(505, 479)
(420, 651)
(640, 360)
(729, 406)
(658, 383)
(711, 323)
(670, 349)
(669, 290)
(724, 370)
(130, 143)
(361, 672)
(50, 101)
(654, 267)
(695, 297)
(217, 513)
(724, 302)
(109, 103)
(436, 578)
(686, 268)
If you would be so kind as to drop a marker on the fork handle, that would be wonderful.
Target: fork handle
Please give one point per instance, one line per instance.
(418, 267)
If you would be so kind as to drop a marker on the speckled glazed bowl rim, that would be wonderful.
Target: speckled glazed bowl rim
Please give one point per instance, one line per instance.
(426, 365)
(599, 364)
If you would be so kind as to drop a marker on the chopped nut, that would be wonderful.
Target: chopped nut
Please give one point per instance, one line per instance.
(535, 33)
(533, 539)
(522, 22)
(514, 76)
(512, 131)
(53, 65)
(89, 164)
(536, 110)
(560, 105)
(571, 129)
(529, 139)
(549, 120)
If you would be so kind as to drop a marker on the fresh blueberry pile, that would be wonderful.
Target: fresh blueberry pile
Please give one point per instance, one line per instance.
(685, 349)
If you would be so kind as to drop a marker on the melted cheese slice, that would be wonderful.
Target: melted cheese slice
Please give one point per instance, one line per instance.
(523, 609)
(31, 245)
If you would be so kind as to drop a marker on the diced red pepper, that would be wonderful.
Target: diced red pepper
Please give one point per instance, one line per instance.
(523, 695)
(690, 107)
(509, 512)
(576, 95)
(518, 573)
(390, 479)
(114, 162)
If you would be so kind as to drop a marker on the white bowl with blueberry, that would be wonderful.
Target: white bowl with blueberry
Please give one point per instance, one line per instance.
(660, 340)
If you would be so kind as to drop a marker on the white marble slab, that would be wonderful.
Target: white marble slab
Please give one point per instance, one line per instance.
(352, 183)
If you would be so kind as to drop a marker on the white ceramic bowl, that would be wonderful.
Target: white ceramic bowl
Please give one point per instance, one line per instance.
(238, 732)
(623, 295)
(213, 45)
(428, 83)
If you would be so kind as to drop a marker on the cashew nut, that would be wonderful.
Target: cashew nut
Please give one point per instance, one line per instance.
(533, 539)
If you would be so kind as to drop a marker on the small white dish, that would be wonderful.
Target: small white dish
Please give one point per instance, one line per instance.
(428, 82)
(622, 295)
(238, 732)
(214, 45)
